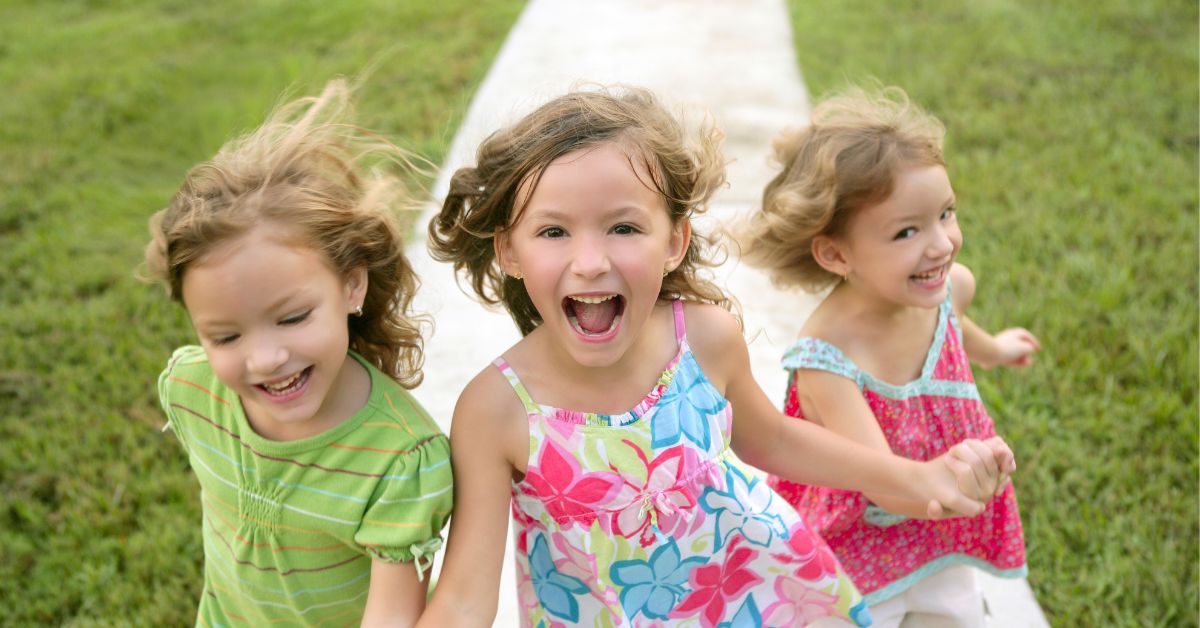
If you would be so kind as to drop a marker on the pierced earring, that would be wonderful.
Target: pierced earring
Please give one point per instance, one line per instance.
(517, 275)
(666, 271)
(358, 310)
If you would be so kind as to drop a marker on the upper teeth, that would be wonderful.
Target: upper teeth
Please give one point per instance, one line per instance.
(593, 300)
(284, 384)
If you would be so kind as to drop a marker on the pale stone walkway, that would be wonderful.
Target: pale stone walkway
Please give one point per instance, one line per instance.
(736, 59)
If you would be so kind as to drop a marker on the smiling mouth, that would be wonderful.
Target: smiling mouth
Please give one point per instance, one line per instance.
(930, 275)
(594, 315)
(287, 386)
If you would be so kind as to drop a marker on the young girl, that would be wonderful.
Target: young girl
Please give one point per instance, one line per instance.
(609, 426)
(864, 205)
(324, 485)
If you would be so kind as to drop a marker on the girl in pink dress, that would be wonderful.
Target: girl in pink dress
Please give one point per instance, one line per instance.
(609, 430)
(864, 205)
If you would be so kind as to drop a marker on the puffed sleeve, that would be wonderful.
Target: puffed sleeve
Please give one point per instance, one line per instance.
(410, 506)
(170, 394)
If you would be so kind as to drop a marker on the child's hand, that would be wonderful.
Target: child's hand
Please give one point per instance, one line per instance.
(977, 467)
(1005, 459)
(970, 453)
(1016, 346)
(948, 499)
(976, 471)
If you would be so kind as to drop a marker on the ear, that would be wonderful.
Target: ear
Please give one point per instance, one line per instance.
(356, 288)
(505, 256)
(681, 237)
(831, 255)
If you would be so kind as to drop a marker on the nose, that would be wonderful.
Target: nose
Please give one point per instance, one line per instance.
(266, 356)
(589, 257)
(942, 244)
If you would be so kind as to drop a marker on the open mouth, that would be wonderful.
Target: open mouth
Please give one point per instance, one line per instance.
(594, 316)
(930, 276)
(288, 386)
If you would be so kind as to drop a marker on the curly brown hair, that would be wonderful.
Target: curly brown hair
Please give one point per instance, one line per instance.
(324, 184)
(486, 199)
(846, 159)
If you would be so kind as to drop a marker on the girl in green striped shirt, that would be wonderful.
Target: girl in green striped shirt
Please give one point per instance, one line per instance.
(324, 484)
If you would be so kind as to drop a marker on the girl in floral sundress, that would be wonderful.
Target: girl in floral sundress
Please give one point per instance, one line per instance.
(608, 428)
(864, 204)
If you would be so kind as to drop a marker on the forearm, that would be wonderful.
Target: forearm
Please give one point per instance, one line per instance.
(810, 454)
(980, 346)
(452, 611)
(910, 508)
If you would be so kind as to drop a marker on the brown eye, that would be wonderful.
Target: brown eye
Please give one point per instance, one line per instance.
(625, 229)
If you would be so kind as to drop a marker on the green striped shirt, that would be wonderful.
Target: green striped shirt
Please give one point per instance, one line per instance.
(290, 528)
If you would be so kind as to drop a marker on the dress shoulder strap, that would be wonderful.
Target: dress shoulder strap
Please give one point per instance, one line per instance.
(680, 326)
(519, 388)
(816, 354)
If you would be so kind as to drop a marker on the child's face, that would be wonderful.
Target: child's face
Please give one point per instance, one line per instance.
(901, 250)
(272, 319)
(592, 243)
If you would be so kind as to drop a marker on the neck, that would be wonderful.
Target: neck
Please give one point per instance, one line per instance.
(860, 305)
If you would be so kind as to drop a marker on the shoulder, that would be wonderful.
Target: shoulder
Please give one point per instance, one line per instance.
(489, 394)
(711, 327)
(715, 337)
(490, 415)
(830, 327)
(962, 286)
(186, 358)
(189, 374)
(393, 406)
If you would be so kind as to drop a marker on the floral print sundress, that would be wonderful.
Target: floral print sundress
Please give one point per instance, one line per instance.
(887, 553)
(646, 519)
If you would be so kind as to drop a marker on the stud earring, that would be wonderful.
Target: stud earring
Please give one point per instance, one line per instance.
(517, 275)
(666, 271)
(358, 310)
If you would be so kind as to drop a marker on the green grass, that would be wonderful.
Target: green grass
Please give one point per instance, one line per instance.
(106, 104)
(1072, 143)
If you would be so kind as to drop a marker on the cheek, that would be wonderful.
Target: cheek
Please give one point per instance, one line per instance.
(226, 366)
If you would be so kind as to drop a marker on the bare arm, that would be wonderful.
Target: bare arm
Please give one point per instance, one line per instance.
(395, 596)
(837, 403)
(803, 452)
(485, 435)
(1012, 347)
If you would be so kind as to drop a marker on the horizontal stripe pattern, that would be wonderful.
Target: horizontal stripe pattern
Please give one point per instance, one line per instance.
(291, 529)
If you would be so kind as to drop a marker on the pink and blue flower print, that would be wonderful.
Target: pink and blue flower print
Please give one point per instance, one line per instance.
(645, 519)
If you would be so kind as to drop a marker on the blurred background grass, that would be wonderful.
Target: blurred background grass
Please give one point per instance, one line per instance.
(1073, 149)
(1072, 144)
(106, 105)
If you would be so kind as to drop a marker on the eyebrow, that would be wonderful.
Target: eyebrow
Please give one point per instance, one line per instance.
(910, 216)
(277, 305)
(550, 213)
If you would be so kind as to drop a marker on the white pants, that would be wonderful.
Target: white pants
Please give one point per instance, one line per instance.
(950, 598)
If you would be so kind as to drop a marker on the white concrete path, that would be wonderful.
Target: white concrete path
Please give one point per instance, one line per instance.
(734, 58)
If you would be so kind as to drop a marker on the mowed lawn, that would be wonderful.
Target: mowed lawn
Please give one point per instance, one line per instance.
(1072, 144)
(1073, 150)
(106, 104)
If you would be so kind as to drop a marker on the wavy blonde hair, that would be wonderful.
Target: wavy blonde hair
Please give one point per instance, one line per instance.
(685, 168)
(846, 159)
(325, 184)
